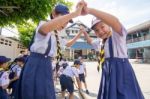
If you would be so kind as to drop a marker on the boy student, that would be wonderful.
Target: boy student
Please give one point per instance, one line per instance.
(15, 71)
(66, 78)
(118, 78)
(36, 81)
(4, 77)
(83, 73)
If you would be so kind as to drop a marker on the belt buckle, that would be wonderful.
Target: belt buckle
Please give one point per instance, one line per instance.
(45, 56)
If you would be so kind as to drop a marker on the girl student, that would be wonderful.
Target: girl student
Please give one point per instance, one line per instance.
(36, 80)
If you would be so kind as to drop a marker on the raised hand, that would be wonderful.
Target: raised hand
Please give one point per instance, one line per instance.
(79, 8)
(85, 8)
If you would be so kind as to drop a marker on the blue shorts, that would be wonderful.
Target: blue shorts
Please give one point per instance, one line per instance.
(66, 83)
(82, 77)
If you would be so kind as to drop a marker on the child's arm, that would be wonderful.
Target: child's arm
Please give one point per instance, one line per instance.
(5, 81)
(72, 41)
(107, 18)
(78, 82)
(85, 71)
(87, 37)
(60, 21)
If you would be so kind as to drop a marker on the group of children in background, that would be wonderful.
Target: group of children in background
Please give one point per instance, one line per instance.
(67, 73)
(9, 75)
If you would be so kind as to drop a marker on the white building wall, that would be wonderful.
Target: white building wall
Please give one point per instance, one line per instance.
(9, 47)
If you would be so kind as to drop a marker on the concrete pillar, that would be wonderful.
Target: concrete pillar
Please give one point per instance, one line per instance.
(73, 54)
(146, 54)
(132, 37)
(87, 51)
(132, 53)
(70, 53)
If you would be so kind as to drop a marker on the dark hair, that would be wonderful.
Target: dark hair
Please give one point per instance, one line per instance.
(1, 64)
(51, 16)
(64, 65)
(22, 51)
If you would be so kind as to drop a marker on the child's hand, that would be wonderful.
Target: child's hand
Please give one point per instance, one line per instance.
(79, 8)
(82, 29)
(85, 9)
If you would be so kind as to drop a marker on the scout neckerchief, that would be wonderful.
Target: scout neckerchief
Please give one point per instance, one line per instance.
(101, 57)
(1, 71)
(59, 53)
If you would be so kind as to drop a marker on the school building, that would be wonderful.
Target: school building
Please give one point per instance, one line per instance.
(10, 47)
(138, 41)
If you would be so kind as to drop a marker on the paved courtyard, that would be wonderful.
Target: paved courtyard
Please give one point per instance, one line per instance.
(142, 72)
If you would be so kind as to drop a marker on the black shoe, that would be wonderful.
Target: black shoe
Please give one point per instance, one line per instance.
(87, 91)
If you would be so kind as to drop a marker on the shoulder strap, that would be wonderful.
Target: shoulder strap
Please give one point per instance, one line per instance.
(111, 47)
(49, 46)
(12, 67)
(1, 73)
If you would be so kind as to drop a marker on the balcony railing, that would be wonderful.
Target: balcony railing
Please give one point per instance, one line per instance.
(146, 37)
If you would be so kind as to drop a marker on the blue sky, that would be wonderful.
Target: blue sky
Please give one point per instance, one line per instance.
(129, 12)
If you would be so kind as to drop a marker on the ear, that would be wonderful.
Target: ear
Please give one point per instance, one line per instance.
(53, 14)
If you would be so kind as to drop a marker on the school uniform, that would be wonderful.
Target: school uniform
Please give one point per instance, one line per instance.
(66, 78)
(118, 78)
(15, 70)
(81, 72)
(36, 81)
(4, 80)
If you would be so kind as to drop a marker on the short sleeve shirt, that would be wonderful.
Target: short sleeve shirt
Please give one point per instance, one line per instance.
(41, 42)
(4, 79)
(118, 42)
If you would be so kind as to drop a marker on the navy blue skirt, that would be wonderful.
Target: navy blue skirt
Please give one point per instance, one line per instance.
(119, 81)
(3, 94)
(36, 80)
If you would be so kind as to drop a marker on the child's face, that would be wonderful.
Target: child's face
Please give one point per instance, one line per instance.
(77, 65)
(20, 63)
(4, 65)
(102, 30)
(81, 60)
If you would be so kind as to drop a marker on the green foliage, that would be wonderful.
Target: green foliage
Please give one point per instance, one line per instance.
(26, 31)
(26, 14)
(19, 11)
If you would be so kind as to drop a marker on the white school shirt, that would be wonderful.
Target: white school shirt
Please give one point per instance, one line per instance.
(70, 71)
(53, 64)
(40, 43)
(60, 71)
(17, 69)
(118, 42)
(82, 69)
(4, 79)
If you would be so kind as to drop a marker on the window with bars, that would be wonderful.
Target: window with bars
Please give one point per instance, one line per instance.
(5, 42)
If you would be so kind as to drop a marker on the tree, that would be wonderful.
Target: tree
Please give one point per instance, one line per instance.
(26, 14)
(19, 11)
(26, 32)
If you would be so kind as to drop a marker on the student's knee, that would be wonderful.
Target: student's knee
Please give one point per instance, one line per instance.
(71, 94)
